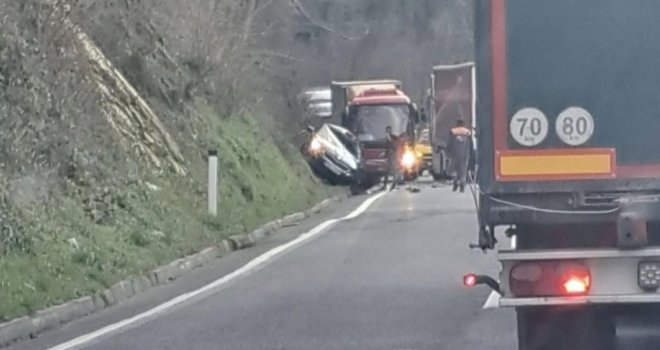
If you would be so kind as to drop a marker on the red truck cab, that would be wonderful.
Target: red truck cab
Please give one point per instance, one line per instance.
(367, 108)
(369, 115)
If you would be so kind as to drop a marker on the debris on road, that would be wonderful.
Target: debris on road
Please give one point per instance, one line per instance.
(414, 189)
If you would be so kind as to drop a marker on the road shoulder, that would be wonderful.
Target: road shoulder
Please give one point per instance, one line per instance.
(193, 279)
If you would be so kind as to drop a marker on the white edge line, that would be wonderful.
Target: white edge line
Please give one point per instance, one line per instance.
(257, 262)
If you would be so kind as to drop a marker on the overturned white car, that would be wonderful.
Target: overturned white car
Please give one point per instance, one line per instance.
(333, 154)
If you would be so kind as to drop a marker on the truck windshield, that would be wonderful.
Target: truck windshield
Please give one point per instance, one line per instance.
(371, 121)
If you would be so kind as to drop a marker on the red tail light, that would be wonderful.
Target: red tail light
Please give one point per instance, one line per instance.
(549, 278)
(577, 285)
(576, 279)
(470, 280)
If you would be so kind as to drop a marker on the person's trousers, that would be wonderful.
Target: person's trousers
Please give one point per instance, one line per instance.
(459, 171)
(394, 172)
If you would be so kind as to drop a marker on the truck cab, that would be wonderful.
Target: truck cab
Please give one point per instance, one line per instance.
(369, 108)
(369, 114)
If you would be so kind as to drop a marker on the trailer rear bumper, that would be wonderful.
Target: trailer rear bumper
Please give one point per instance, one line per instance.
(586, 300)
(616, 276)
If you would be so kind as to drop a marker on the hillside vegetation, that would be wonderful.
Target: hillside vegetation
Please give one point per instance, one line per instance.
(108, 109)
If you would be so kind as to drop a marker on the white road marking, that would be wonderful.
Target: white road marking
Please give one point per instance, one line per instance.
(260, 261)
(362, 208)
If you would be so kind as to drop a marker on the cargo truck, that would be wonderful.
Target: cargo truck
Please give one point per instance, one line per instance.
(452, 98)
(568, 127)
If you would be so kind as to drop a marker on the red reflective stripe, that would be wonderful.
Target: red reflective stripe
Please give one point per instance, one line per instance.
(498, 54)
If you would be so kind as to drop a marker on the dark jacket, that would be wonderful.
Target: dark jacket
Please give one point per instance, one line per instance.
(460, 143)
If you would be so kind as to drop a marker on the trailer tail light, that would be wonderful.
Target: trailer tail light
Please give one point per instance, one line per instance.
(470, 280)
(549, 278)
(577, 285)
(576, 279)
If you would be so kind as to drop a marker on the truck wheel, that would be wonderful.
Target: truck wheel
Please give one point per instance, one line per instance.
(359, 187)
(555, 328)
(637, 327)
(356, 189)
(412, 177)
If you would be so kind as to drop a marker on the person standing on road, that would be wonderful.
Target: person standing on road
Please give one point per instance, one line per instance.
(459, 149)
(394, 149)
(423, 118)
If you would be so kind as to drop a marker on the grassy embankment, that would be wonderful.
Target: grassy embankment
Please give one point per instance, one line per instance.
(64, 254)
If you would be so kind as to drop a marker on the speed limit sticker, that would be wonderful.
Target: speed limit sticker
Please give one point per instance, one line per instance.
(529, 127)
(575, 126)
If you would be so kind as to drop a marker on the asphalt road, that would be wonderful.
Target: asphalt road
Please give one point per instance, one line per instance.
(389, 279)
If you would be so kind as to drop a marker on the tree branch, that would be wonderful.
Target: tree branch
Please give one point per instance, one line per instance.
(299, 8)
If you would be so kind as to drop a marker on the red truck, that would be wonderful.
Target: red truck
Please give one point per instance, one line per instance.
(367, 108)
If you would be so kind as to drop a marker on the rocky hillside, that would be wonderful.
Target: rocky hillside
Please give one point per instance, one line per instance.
(108, 108)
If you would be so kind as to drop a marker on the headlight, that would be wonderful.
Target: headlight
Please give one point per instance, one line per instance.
(408, 159)
(315, 146)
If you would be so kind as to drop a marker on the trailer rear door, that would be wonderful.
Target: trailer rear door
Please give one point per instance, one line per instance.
(570, 93)
(453, 92)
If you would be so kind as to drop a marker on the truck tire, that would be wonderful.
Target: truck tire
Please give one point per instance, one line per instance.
(411, 176)
(637, 327)
(555, 328)
(443, 173)
(370, 182)
(362, 184)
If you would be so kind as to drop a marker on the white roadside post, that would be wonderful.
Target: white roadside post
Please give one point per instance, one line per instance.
(213, 183)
